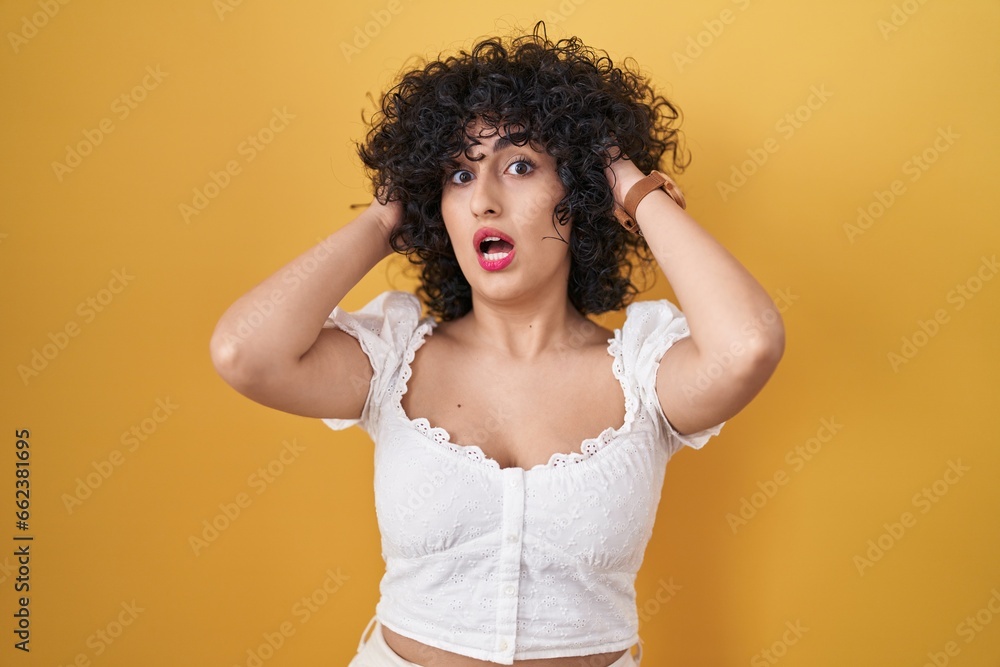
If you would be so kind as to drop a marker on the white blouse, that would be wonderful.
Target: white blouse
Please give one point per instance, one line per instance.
(505, 564)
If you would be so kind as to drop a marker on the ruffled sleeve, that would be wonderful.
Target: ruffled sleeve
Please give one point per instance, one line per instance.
(650, 328)
(384, 327)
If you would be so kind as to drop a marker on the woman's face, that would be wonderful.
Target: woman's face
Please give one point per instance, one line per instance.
(499, 211)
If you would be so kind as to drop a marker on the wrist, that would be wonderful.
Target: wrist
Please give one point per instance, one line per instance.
(384, 217)
(656, 180)
(624, 175)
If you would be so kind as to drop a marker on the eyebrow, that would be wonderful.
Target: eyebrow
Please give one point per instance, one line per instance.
(501, 143)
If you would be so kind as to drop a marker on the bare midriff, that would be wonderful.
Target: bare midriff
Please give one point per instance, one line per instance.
(431, 656)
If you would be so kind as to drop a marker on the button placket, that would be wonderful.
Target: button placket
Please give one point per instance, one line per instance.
(509, 573)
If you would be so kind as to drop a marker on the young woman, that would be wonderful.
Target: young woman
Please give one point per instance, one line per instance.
(519, 456)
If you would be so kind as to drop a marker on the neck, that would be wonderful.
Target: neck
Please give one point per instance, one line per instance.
(524, 329)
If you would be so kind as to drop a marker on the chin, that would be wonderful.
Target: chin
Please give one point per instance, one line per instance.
(496, 292)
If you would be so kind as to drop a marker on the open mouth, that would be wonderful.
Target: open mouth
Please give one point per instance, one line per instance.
(494, 248)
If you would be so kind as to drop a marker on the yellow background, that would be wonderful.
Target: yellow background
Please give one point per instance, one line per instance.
(851, 300)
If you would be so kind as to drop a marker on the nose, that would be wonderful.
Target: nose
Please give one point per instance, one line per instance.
(485, 199)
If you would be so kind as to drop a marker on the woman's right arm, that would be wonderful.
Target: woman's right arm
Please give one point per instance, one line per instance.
(270, 345)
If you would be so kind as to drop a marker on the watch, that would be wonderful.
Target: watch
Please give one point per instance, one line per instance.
(656, 179)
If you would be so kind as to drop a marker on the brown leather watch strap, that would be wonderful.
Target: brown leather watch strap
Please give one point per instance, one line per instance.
(655, 179)
(640, 190)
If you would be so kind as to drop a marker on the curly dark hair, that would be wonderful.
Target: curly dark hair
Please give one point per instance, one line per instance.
(564, 96)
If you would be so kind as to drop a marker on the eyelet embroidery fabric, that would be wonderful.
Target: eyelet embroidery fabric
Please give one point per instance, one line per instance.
(440, 436)
(505, 564)
(475, 453)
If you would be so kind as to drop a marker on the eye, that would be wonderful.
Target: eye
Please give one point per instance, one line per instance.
(461, 176)
(522, 166)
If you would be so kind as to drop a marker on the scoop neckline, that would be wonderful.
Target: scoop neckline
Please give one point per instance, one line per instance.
(474, 453)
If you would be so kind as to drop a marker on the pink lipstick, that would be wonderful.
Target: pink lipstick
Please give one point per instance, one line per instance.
(494, 249)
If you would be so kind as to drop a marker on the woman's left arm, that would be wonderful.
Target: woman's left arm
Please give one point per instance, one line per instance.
(737, 335)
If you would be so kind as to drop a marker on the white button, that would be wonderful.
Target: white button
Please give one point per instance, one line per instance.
(509, 589)
(512, 537)
(503, 644)
(513, 481)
